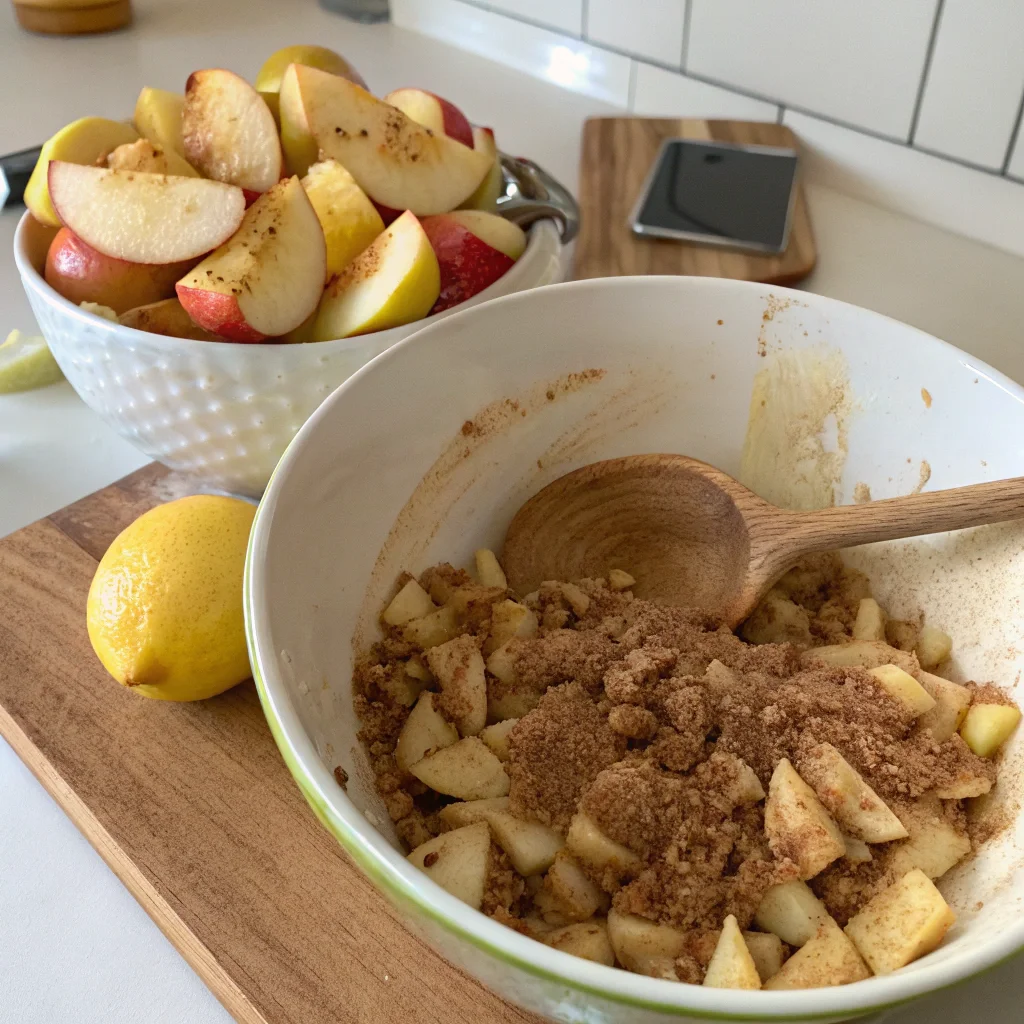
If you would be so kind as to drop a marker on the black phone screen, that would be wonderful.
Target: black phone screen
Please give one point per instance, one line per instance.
(722, 194)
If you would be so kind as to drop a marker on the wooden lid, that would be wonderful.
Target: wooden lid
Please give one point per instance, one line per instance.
(76, 18)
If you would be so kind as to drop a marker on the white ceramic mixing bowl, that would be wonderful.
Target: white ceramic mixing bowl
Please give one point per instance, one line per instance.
(425, 454)
(221, 412)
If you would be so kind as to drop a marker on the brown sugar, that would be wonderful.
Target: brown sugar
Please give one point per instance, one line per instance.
(561, 656)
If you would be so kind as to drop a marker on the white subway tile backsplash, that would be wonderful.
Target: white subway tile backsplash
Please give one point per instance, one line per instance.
(968, 202)
(975, 82)
(565, 15)
(653, 29)
(664, 93)
(559, 59)
(855, 62)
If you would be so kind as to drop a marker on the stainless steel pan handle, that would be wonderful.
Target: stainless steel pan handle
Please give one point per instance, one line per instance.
(531, 194)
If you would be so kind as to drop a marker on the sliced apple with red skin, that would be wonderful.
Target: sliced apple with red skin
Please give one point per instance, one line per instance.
(166, 317)
(81, 274)
(142, 217)
(487, 192)
(393, 282)
(433, 112)
(267, 278)
(268, 79)
(473, 250)
(394, 160)
(228, 131)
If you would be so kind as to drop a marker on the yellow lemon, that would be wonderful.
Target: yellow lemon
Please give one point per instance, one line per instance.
(165, 606)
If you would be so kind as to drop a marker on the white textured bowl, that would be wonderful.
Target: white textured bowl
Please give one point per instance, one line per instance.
(386, 476)
(221, 411)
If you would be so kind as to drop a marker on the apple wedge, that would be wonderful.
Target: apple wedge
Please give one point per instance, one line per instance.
(158, 118)
(829, 958)
(485, 196)
(643, 946)
(228, 131)
(145, 218)
(792, 912)
(731, 964)
(573, 892)
(268, 79)
(425, 732)
(85, 141)
(459, 668)
(266, 279)
(588, 940)
(395, 161)
(433, 112)
(467, 770)
(470, 811)
(395, 281)
(143, 155)
(473, 250)
(457, 861)
(166, 317)
(530, 846)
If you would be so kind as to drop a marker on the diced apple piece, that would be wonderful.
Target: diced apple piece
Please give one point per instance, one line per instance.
(904, 687)
(797, 825)
(988, 726)
(467, 770)
(509, 619)
(530, 845)
(433, 112)
(485, 196)
(778, 620)
(857, 851)
(167, 317)
(731, 964)
(951, 703)
(966, 786)
(578, 600)
(792, 912)
(587, 843)
(267, 278)
(459, 668)
(394, 281)
(488, 570)
(848, 798)
(513, 704)
(829, 958)
(766, 951)
(158, 118)
(145, 218)
(638, 942)
(933, 646)
(403, 688)
(431, 630)
(411, 602)
(425, 731)
(501, 665)
(934, 845)
(720, 679)
(901, 924)
(396, 162)
(496, 737)
(415, 667)
(457, 861)
(463, 599)
(573, 892)
(229, 132)
(870, 621)
(745, 787)
(470, 811)
(619, 579)
(588, 940)
(862, 654)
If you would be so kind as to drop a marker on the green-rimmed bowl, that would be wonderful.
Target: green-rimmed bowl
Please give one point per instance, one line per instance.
(426, 452)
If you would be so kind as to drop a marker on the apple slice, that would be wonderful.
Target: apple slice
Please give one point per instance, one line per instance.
(228, 131)
(267, 278)
(166, 317)
(82, 274)
(485, 197)
(345, 212)
(432, 112)
(588, 940)
(158, 118)
(145, 218)
(85, 141)
(457, 861)
(268, 80)
(395, 161)
(395, 281)
(425, 732)
(466, 244)
(731, 964)
(143, 155)
(466, 769)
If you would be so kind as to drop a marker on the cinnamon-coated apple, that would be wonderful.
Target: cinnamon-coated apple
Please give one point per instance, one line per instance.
(268, 81)
(85, 141)
(395, 161)
(158, 118)
(393, 282)
(167, 317)
(143, 155)
(486, 195)
(268, 277)
(348, 218)
(143, 217)
(81, 274)
(433, 112)
(473, 250)
(228, 131)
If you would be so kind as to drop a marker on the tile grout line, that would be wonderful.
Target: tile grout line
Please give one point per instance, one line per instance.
(1014, 135)
(928, 55)
(631, 88)
(584, 18)
(780, 116)
(685, 52)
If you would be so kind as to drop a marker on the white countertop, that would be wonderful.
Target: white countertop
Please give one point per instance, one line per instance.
(74, 945)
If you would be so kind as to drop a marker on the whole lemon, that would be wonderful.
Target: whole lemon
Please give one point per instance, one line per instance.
(165, 606)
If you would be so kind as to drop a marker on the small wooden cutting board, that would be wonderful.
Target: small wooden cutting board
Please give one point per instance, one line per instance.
(193, 808)
(617, 155)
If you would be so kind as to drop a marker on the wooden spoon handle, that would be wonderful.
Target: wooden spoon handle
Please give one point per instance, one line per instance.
(910, 516)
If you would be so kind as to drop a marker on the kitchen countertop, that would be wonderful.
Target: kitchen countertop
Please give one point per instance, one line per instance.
(74, 945)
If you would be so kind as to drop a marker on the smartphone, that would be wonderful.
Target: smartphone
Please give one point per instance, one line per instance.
(719, 193)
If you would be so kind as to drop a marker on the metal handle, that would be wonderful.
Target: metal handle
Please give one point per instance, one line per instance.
(531, 194)
(15, 170)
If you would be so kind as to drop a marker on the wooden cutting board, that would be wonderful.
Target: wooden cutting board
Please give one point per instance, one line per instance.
(192, 807)
(617, 155)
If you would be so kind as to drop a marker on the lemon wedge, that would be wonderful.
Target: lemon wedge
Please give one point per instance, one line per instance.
(26, 363)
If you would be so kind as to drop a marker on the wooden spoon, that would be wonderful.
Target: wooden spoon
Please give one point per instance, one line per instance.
(692, 535)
